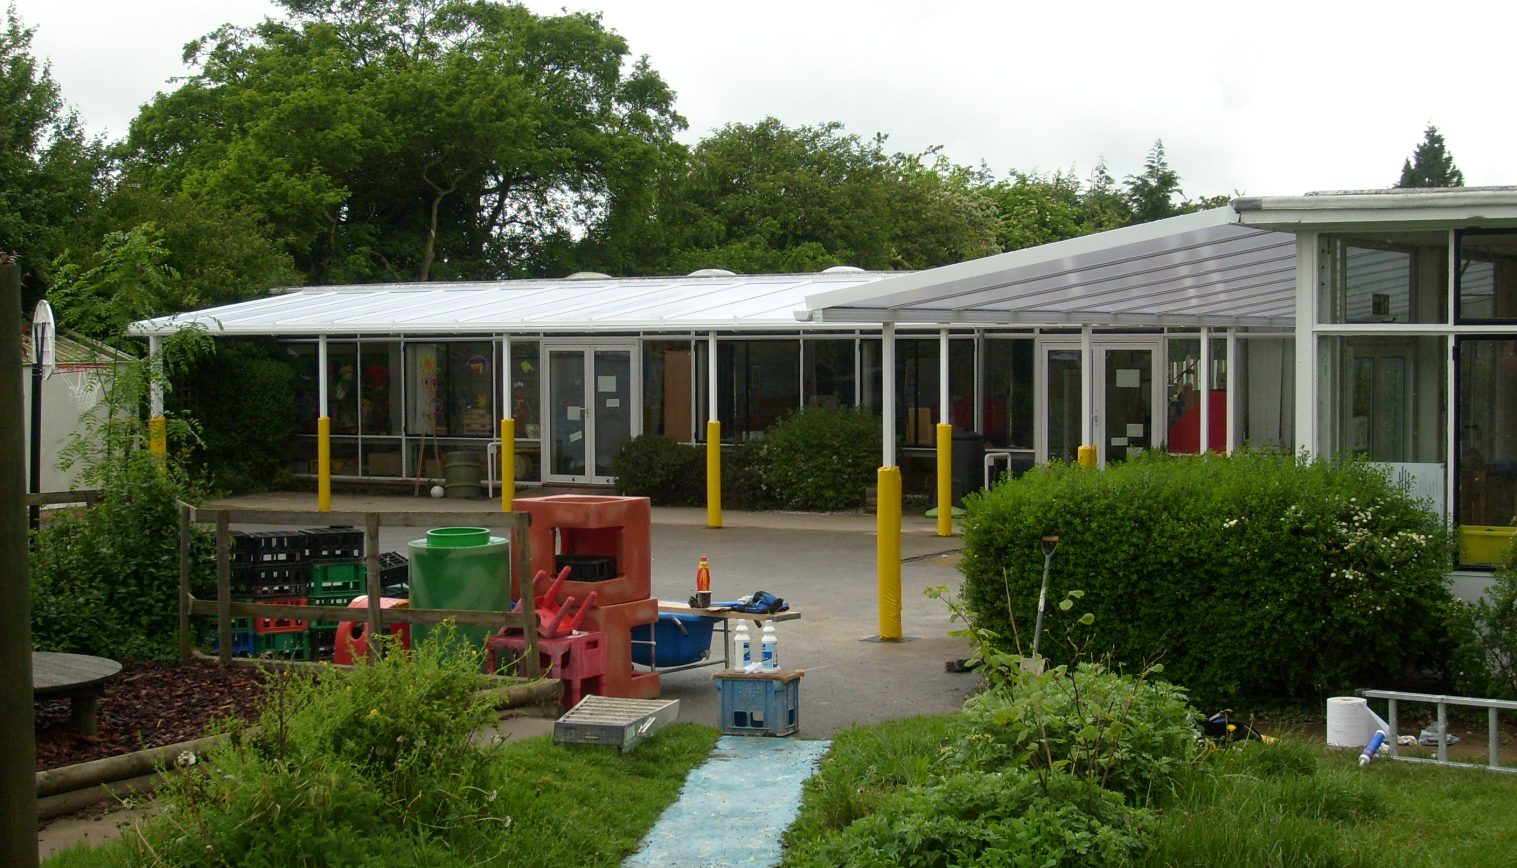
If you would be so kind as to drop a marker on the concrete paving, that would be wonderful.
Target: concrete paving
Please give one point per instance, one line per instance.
(822, 564)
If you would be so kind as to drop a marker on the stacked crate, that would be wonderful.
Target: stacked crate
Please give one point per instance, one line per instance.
(338, 574)
(270, 567)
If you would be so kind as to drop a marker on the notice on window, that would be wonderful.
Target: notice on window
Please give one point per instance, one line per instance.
(575, 436)
(612, 403)
(1135, 430)
(605, 384)
(574, 414)
(1119, 441)
(1128, 378)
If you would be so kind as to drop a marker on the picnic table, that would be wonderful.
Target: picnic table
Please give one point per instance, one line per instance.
(78, 677)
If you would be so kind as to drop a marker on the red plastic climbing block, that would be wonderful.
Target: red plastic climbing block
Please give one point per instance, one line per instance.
(616, 622)
(352, 636)
(582, 524)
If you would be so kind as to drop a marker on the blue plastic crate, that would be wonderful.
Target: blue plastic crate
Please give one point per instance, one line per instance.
(680, 639)
(762, 703)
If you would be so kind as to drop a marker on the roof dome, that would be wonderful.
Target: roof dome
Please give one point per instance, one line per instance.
(712, 272)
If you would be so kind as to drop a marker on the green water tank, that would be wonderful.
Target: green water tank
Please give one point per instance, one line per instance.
(460, 568)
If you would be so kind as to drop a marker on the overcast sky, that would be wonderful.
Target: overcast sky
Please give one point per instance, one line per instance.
(1258, 98)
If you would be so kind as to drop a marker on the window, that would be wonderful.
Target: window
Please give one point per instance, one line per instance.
(454, 388)
(668, 370)
(917, 403)
(1387, 400)
(526, 396)
(1487, 447)
(1486, 279)
(1267, 392)
(1008, 401)
(758, 383)
(830, 374)
(1183, 396)
(1395, 278)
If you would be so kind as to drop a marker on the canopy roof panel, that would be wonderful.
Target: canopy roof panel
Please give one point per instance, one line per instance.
(580, 305)
(1196, 269)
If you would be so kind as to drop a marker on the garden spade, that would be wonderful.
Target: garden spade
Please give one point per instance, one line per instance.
(1050, 544)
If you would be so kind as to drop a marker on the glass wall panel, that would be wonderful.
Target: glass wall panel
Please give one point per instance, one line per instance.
(1008, 396)
(830, 372)
(526, 395)
(1392, 278)
(453, 389)
(1486, 485)
(303, 361)
(758, 384)
(1385, 398)
(1486, 279)
(917, 376)
(379, 391)
(668, 373)
(1064, 403)
(1267, 390)
(1183, 391)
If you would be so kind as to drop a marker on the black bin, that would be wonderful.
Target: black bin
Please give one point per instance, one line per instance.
(968, 463)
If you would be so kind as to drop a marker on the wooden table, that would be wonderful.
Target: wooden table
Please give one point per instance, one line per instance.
(726, 617)
(79, 677)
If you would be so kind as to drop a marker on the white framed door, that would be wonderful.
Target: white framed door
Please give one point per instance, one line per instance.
(592, 409)
(1126, 403)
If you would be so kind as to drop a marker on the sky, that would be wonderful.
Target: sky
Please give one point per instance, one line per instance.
(1260, 99)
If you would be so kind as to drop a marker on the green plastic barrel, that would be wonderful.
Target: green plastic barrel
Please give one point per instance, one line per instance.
(461, 475)
(460, 568)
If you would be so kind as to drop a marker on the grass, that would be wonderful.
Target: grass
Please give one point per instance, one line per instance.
(1287, 804)
(566, 804)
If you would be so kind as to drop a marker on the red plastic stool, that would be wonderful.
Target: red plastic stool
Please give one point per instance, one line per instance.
(578, 660)
(352, 638)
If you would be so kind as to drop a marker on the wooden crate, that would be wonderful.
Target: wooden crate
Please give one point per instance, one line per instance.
(609, 720)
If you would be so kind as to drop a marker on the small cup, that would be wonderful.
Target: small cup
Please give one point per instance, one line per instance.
(702, 599)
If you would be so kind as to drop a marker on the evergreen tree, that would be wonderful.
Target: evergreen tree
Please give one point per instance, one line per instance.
(1431, 165)
(1151, 195)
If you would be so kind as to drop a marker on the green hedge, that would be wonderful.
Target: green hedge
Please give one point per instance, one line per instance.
(1258, 580)
(665, 472)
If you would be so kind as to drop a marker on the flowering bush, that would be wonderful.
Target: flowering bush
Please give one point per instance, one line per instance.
(1256, 579)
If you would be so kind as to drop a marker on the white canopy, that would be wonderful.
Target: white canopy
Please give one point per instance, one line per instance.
(1200, 269)
(580, 305)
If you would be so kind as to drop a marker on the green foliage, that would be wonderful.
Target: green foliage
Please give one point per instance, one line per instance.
(437, 140)
(106, 581)
(124, 281)
(219, 392)
(666, 472)
(1006, 818)
(1257, 579)
(745, 476)
(1490, 638)
(1151, 193)
(822, 458)
(1431, 164)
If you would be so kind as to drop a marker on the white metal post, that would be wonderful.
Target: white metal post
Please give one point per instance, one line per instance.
(1233, 438)
(321, 376)
(1205, 391)
(155, 386)
(943, 412)
(1308, 291)
(887, 393)
(711, 377)
(507, 397)
(1087, 389)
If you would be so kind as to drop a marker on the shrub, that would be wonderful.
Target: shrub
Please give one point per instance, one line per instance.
(1489, 634)
(822, 458)
(1257, 579)
(242, 380)
(665, 472)
(745, 477)
(1005, 818)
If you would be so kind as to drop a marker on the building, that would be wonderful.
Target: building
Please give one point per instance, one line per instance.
(1378, 324)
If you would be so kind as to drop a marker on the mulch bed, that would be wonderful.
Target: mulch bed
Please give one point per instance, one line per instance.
(147, 705)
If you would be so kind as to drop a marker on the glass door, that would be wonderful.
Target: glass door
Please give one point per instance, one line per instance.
(590, 411)
(1061, 405)
(1126, 402)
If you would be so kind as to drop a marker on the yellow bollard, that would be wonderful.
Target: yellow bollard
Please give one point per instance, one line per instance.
(888, 552)
(507, 463)
(1087, 456)
(324, 464)
(158, 436)
(713, 474)
(945, 479)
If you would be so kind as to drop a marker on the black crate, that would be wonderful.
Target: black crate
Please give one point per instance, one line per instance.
(586, 568)
(271, 580)
(323, 643)
(329, 543)
(394, 569)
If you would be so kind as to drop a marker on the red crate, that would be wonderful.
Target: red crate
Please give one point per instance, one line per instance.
(265, 626)
(578, 660)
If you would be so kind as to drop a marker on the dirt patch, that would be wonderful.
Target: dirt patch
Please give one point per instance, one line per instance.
(147, 705)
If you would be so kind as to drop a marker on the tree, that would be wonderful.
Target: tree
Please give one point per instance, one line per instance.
(49, 170)
(1430, 165)
(1151, 194)
(411, 139)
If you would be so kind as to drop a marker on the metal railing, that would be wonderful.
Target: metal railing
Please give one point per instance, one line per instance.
(1492, 707)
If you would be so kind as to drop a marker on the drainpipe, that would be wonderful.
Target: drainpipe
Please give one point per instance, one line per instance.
(945, 442)
(1087, 451)
(507, 426)
(323, 431)
(18, 778)
(157, 426)
(888, 507)
(713, 441)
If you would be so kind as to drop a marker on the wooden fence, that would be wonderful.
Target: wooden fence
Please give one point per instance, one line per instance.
(376, 618)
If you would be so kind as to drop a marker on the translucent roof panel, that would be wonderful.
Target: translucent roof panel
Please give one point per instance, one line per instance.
(579, 305)
(1197, 269)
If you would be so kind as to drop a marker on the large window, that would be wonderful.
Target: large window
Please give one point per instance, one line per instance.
(758, 383)
(1486, 281)
(1392, 278)
(1487, 454)
(830, 372)
(668, 377)
(1267, 392)
(454, 389)
(1183, 396)
(1387, 402)
(917, 376)
(1009, 414)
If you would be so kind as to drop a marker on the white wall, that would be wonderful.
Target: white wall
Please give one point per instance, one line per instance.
(60, 418)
